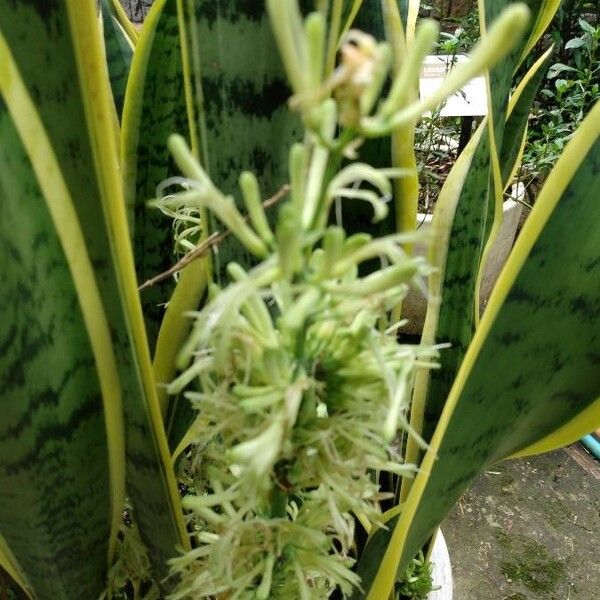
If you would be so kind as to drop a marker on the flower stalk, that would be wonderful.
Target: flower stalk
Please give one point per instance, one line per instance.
(299, 380)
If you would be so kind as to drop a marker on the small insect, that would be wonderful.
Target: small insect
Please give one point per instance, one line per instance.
(359, 57)
(127, 520)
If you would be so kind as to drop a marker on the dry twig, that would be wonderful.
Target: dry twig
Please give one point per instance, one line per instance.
(210, 242)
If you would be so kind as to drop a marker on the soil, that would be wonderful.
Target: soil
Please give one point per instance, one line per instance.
(458, 8)
(448, 9)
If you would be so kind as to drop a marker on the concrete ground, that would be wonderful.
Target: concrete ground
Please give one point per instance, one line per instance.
(529, 530)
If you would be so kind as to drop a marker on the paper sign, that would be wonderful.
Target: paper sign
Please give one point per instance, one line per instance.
(470, 101)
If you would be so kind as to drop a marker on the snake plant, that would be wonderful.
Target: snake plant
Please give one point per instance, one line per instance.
(316, 454)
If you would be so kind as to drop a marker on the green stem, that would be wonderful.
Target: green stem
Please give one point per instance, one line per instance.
(334, 35)
(333, 167)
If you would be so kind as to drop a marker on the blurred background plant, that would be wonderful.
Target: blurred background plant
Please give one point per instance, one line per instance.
(418, 580)
(571, 88)
(438, 139)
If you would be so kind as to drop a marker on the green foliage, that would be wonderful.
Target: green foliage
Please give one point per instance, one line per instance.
(155, 106)
(130, 577)
(119, 53)
(570, 91)
(461, 38)
(417, 583)
(572, 88)
(292, 366)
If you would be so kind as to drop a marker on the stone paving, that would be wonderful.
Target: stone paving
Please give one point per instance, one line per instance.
(529, 529)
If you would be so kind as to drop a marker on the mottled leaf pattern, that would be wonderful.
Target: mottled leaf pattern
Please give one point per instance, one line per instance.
(54, 492)
(500, 81)
(471, 227)
(425, 409)
(516, 123)
(533, 364)
(43, 47)
(244, 123)
(119, 54)
(137, 9)
(155, 107)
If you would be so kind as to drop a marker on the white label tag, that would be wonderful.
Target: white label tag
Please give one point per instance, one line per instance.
(470, 101)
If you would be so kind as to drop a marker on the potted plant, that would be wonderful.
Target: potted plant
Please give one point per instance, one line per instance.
(301, 392)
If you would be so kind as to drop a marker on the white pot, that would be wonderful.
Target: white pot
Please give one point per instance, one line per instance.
(442, 570)
(414, 305)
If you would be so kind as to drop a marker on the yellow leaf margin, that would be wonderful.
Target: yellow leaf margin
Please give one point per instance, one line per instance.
(557, 182)
(64, 217)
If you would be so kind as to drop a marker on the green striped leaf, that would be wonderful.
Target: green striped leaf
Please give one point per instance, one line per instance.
(544, 11)
(431, 388)
(425, 405)
(515, 131)
(544, 311)
(428, 404)
(476, 218)
(499, 86)
(119, 53)
(11, 576)
(569, 433)
(150, 480)
(501, 76)
(155, 107)
(455, 321)
(56, 48)
(241, 102)
(124, 21)
(55, 497)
